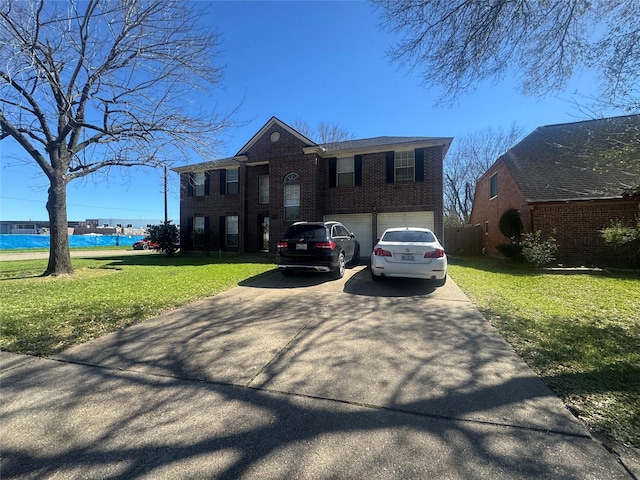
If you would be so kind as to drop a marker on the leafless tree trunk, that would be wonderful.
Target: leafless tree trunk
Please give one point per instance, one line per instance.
(91, 85)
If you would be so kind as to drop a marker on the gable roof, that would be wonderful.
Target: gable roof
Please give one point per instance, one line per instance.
(333, 149)
(594, 159)
(274, 121)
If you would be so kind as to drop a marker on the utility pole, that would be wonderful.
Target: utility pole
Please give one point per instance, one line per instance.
(166, 217)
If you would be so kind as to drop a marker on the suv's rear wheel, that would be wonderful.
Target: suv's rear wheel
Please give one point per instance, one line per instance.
(339, 272)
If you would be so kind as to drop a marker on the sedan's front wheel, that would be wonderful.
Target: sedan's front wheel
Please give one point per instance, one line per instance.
(339, 272)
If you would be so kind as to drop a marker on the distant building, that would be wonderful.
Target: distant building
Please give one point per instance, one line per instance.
(109, 226)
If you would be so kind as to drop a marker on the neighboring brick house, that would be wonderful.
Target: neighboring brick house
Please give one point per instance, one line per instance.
(569, 181)
(245, 203)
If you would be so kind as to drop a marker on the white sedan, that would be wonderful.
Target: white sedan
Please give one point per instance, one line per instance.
(409, 252)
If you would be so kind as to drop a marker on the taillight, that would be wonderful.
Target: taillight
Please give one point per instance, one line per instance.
(437, 253)
(283, 244)
(328, 245)
(381, 252)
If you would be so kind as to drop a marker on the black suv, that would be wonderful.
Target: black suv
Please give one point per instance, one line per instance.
(317, 246)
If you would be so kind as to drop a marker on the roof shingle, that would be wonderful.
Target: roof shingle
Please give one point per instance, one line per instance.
(578, 161)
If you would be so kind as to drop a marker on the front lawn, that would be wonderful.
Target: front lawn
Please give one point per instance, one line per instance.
(579, 332)
(42, 315)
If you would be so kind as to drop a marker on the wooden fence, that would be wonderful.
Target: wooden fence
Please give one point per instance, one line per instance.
(463, 240)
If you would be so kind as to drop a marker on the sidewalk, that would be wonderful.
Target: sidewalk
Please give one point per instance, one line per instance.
(74, 253)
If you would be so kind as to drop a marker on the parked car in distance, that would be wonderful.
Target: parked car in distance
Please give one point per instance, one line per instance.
(409, 252)
(144, 245)
(317, 246)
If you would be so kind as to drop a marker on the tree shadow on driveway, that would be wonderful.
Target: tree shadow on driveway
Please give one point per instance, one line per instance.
(362, 284)
(279, 382)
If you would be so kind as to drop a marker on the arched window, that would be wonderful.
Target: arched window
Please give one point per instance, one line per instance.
(292, 197)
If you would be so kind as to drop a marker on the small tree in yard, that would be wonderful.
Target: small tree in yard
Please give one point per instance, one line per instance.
(510, 225)
(166, 235)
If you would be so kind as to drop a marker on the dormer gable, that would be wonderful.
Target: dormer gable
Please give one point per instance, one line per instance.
(272, 133)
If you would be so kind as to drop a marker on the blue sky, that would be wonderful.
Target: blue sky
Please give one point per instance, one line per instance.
(307, 60)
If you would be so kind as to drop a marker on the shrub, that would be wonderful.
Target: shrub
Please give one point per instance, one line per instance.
(538, 252)
(166, 236)
(510, 225)
(625, 241)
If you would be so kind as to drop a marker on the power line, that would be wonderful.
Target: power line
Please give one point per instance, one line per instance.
(80, 205)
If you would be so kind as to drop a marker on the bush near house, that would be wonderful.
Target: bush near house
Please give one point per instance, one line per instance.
(624, 239)
(166, 235)
(538, 252)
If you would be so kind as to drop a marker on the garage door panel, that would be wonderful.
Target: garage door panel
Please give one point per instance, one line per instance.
(360, 225)
(405, 219)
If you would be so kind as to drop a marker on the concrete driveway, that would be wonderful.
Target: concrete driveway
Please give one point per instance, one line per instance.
(295, 378)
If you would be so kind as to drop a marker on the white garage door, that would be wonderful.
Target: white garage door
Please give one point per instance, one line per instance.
(360, 225)
(404, 219)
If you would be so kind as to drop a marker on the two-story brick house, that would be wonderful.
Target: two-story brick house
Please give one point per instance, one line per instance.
(244, 203)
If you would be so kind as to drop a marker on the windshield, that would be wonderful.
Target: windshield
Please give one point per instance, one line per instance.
(408, 236)
(308, 232)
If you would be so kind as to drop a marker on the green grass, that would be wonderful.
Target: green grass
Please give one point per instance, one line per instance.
(580, 333)
(41, 316)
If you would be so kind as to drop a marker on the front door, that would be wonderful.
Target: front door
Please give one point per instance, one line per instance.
(263, 229)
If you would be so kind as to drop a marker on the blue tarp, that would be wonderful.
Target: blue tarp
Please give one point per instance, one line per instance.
(8, 242)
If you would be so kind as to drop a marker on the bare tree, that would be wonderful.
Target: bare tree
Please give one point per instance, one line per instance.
(456, 44)
(91, 85)
(468, 159)
(325, 133)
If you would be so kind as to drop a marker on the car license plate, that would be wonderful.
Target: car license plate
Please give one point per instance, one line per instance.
(407, 258)
(301, 246)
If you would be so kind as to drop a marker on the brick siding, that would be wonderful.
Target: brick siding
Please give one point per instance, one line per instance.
(317, 198)
(487, 211)
(575, 225)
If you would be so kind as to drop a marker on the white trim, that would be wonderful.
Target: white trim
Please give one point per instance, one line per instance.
(444, 142)
(230, 162)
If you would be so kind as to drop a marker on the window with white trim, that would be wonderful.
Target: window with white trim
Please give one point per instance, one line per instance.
(263, 194)
(231, 229)
(345, 172)
(292, 197)
(232, 181)
(404, 166)
(198, 184)
(493, 185)
(198, 231)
